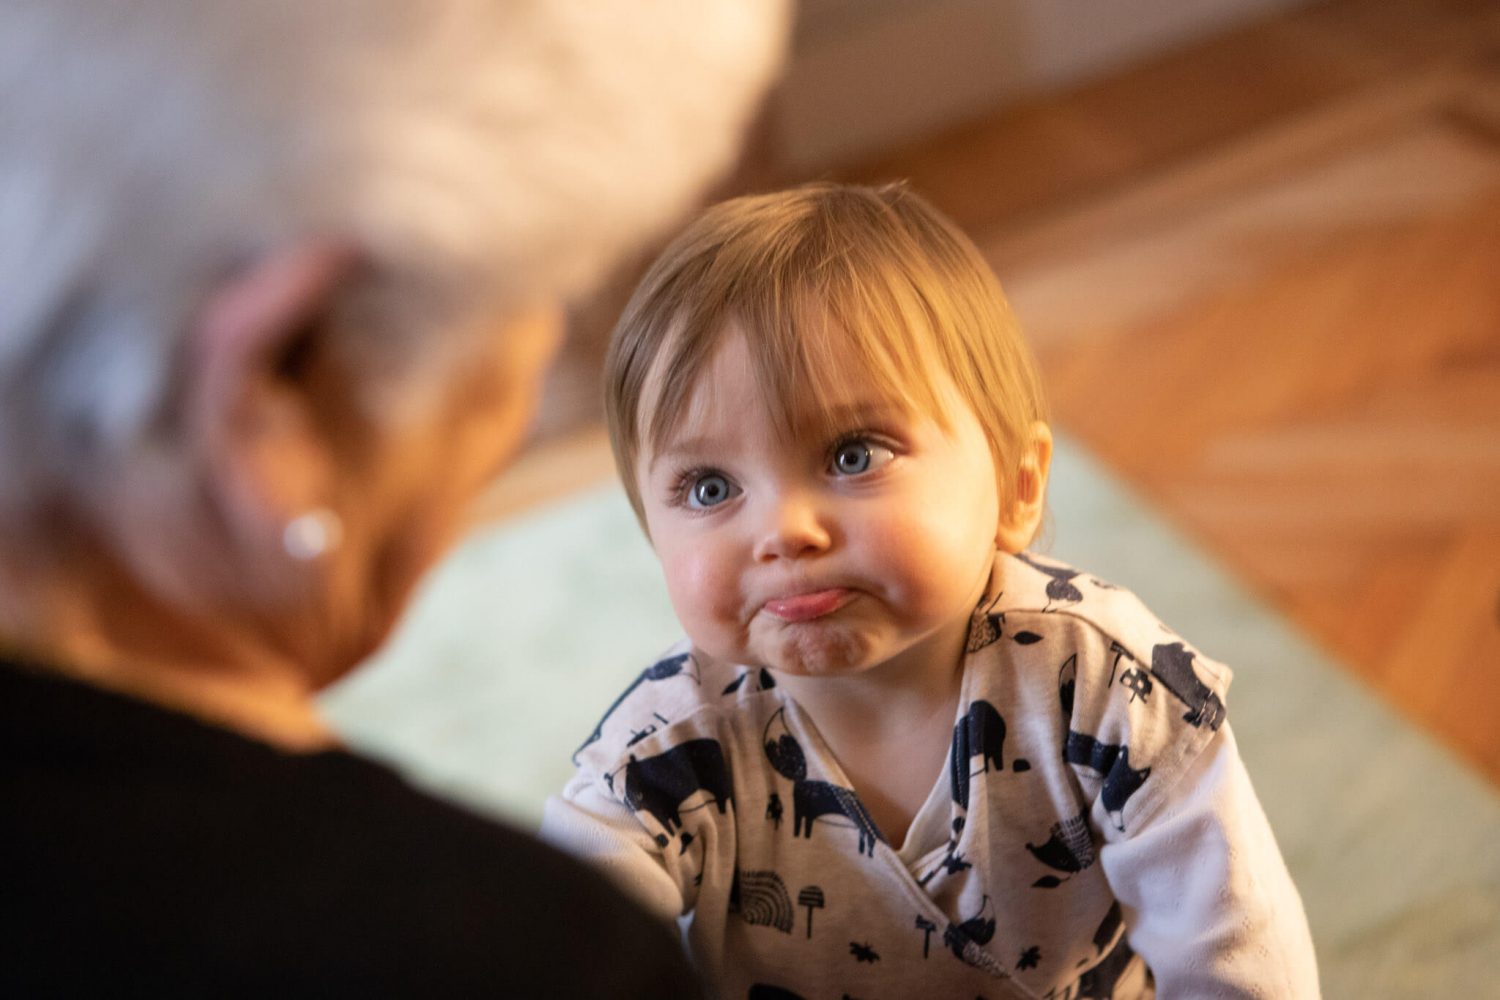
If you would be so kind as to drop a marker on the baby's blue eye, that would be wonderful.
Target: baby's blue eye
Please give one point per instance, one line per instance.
(709, 490)
(853, 458)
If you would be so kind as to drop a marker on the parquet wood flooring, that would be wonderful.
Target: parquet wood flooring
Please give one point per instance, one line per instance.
(1293, 348)
(1030, 160)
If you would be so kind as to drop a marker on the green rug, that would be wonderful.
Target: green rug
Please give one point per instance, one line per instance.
(522, 638)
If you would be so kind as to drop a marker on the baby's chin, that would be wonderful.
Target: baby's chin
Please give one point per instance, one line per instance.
(821, 652)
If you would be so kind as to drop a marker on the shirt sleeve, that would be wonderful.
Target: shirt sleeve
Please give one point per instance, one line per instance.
(1207, 898)
(589, 823)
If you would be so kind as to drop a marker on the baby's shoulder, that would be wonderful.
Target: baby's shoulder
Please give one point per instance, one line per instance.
(1126, 696)
(682, 695)
(1107, 631)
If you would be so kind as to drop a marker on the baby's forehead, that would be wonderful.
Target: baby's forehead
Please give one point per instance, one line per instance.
(810, 373)
(805, 415)
(723, 401)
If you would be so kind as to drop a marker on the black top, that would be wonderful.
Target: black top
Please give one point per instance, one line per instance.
(143, 852)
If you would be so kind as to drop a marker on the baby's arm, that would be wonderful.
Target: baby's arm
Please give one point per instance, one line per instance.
(1207, 899)
(589, 823)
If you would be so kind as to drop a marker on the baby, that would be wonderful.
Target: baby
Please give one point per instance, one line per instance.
(896, 754)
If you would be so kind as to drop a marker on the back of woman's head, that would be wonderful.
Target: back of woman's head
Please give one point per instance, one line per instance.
(476, 156)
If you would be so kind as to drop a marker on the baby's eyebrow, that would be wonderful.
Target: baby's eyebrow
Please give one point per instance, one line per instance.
(863, 412)
(681, 446)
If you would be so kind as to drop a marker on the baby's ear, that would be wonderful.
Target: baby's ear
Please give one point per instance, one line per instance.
(1020, 518)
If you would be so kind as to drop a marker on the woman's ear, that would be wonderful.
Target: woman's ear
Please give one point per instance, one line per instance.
(255, 421)
(1022, 516)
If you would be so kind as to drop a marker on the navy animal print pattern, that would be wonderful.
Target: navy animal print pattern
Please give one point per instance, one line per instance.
(1101, 981)
(987, 627)
(980, 732)
(663, 669)
(1172, 664)
(1069, 848)
(1060, 589)
(813, 799)
(760, 898)
(1079, 712)
(977, 930)
(1112, 763)
(659, 785)
(952, 863)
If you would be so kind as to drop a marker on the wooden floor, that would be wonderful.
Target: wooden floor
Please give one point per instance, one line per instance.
(1263, 277)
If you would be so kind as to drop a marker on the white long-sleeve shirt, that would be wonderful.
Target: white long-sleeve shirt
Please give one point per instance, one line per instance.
(1095, 834)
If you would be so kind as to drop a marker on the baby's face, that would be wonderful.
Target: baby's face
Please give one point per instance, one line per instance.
(821, 555)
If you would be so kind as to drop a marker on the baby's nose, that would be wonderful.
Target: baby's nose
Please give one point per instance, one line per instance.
(793, 527)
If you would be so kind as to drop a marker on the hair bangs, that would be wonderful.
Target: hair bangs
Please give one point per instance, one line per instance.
(821, 330)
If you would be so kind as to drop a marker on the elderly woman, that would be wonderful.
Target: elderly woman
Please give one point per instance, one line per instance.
(277, 280)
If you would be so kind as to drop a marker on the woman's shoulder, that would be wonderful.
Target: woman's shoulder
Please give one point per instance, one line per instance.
(410, 893)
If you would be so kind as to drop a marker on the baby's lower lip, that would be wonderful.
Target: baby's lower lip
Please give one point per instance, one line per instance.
(805, 607)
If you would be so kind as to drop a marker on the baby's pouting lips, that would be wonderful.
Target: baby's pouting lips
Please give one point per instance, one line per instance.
(807, 605)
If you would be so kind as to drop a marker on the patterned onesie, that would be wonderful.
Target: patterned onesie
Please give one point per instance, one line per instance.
(1094, 835)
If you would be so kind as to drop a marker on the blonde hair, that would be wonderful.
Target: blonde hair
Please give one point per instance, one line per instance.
(829, 283)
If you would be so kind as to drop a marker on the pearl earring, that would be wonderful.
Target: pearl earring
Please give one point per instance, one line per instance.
(312, 534)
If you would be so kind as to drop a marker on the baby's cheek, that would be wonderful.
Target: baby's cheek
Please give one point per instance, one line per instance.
(940, 561)
(703, 592)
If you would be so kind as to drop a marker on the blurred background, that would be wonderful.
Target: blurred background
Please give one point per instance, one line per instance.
(1256, 245)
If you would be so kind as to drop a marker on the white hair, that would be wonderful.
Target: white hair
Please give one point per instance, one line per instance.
(480, 154)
